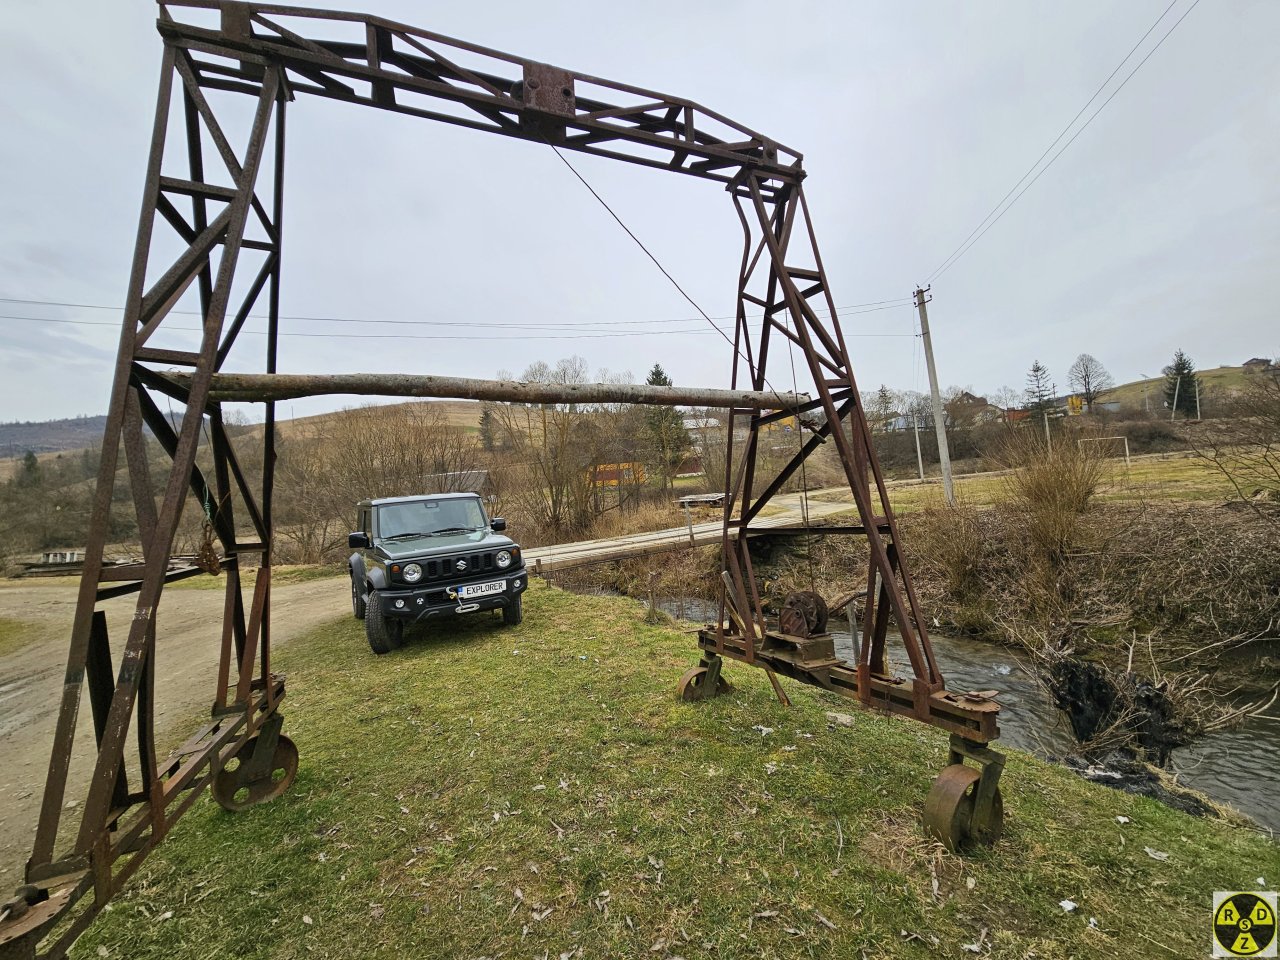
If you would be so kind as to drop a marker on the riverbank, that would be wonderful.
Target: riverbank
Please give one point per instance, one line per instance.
(541, 791)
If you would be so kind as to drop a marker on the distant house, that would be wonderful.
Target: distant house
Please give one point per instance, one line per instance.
(1258, 365)
(967, 410)
(62, 556)
(702, 424)
(616, 475)
(898, 422)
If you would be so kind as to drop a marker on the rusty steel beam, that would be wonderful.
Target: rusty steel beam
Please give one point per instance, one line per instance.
(393, 66)
(263, 387)
(272, 54)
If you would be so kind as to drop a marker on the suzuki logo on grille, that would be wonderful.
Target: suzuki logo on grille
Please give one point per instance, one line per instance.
(461, 564)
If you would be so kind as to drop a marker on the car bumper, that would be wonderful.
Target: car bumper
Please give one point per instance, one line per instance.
(441, 598)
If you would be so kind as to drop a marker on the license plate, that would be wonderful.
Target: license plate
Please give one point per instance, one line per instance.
(482, 589)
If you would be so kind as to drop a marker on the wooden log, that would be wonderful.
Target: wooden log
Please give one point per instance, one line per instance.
(261, 387)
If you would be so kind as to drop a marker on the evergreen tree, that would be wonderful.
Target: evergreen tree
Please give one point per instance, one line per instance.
(29, 475)
(1180, 385)
(884, 407)
(668, 439)
(487, 427)
(1039, 391)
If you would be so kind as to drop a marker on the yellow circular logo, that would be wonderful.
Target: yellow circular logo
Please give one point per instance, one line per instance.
(1244, 925)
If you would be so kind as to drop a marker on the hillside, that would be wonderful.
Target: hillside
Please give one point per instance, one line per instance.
(1132, 396)
(51, 438)
(457, 413)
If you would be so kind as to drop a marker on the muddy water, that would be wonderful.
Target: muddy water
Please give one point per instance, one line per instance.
(1239, 767)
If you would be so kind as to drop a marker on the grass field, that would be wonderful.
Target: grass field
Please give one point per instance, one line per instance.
(1153, 478)
(1135, 395)
(541, 793)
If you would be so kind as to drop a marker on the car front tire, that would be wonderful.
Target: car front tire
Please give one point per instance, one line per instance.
(384, 635)
(357, 599)
(513, 613)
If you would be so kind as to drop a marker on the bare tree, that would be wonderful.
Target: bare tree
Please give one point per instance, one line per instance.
(371, 451)
(1089, 378)
(1245, 444)
(552, 448)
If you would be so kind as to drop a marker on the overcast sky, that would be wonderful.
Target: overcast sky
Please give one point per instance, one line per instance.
(1158, 229)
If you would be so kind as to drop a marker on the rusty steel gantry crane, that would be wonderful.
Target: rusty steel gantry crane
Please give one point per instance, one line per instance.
(223, 207)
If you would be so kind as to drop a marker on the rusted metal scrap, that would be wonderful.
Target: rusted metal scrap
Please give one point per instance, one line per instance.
(223, 208)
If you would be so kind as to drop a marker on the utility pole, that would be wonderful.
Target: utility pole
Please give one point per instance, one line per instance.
(939, 421)
(915, 425)
(1177, 385)
(1197, 383)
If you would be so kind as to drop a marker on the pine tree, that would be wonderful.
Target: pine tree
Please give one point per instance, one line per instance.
(1039, 391)
(1180, 385)
(884, 407)
(668, 439)
(487, 429)
(29, 475)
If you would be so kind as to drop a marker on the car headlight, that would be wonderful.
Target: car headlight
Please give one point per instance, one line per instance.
(412, 572)
(503, 558)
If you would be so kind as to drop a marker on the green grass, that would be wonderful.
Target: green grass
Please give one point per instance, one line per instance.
(1136, 394)
(488, 792)
(1165, 478)
(14, 634)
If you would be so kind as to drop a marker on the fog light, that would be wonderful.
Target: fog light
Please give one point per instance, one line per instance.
(400, 603)
(515, 583)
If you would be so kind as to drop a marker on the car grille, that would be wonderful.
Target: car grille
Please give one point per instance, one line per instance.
(446, 567)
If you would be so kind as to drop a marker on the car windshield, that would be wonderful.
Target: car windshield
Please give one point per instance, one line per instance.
(424, 518)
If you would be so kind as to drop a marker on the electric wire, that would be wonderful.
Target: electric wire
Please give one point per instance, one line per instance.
(595, 334)
(980, 231)
(1055, 142)
(852, 309)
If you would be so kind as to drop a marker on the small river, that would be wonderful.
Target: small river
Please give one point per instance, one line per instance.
(1239, 767)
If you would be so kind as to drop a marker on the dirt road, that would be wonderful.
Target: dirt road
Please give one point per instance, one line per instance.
(186, 663)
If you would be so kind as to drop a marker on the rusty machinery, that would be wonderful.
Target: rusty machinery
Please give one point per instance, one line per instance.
(222, 206)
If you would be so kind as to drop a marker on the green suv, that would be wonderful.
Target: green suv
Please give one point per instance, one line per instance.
(419, 557)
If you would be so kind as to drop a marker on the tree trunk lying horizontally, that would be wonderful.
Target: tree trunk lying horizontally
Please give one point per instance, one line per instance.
(261, 387)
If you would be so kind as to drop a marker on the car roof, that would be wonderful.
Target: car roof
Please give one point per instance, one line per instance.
(421, 496)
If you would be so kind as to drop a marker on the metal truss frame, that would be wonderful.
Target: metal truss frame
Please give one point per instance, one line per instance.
(222, 205)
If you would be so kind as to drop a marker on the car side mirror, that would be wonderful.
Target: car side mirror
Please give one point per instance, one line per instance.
(498, 524)
(358, 541)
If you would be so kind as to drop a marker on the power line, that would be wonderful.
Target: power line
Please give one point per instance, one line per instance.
(849, 310)
(980, 230)
(596, 335)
